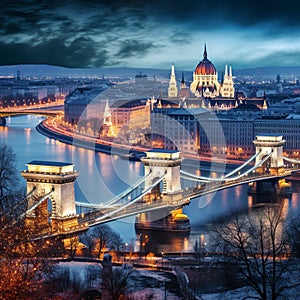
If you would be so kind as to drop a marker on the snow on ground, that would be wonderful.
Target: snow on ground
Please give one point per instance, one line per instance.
(78, 268)
(150, 282)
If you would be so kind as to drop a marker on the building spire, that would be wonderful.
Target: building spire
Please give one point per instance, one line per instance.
(173, 70)
(230, 71)
(172, 90)
(226, 71)
(205, 52)
(107, 115)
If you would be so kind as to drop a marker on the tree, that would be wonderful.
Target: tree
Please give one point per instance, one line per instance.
(118, 285)
(9, 179)
(116, 243)
(257, 246)
(102, 233)
(294, 230)
(23, 261)
(73, 245)
(87, 239)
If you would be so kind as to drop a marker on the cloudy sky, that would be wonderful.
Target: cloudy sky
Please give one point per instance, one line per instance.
(150, 34)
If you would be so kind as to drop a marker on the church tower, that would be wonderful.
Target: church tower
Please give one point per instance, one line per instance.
(172, 90)
(107, 125)
(107, 115)
(227, 89)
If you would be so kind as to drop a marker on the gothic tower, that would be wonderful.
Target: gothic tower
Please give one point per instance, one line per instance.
(172, 90)
(227, 89)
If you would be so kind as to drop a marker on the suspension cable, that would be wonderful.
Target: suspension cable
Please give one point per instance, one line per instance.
(132, 201)
(128, 191)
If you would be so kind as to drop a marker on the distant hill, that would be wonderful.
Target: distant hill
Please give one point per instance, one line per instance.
(55, 71)
(269, 72)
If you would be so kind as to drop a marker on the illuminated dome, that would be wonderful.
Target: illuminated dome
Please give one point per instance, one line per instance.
(205, 66)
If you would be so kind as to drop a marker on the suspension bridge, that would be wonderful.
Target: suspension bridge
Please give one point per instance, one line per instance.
(156, 199)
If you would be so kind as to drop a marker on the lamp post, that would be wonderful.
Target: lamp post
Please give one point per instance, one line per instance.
(162, 260)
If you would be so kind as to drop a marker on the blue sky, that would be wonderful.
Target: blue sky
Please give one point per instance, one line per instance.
(152, 34)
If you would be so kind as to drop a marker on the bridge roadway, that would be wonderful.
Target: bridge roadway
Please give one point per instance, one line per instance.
(189, 193)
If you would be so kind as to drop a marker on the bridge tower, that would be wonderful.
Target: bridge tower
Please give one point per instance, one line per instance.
(51, 204)
(266, 144)
(164, 166)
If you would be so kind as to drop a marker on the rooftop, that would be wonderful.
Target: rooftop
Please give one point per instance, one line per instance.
(50, 167)
(49, 163)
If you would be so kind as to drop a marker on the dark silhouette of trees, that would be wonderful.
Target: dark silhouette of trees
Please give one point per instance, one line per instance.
(118, 284)
(116, 243)
(10, 191)
(23, 261)
(102, 235)
(87, 239)
(257, 246)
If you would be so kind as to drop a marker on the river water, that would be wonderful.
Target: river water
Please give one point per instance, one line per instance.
(102, 176)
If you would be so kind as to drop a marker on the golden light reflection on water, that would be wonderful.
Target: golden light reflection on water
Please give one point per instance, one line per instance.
(285, 208)
(250, 201)
(105, 167)
(27, 132)
(185, 244)
(4, 132)
(295, 200)
(238, 192)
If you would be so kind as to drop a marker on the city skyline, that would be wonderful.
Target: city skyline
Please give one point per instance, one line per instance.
(153, 35)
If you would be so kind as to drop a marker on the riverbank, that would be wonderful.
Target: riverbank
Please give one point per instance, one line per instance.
(130, 152)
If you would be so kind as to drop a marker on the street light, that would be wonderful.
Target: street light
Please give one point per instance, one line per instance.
(162, 260)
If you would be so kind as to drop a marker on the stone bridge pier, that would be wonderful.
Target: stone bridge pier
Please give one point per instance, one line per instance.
(163, 165)
(265, 145)
(51, 188)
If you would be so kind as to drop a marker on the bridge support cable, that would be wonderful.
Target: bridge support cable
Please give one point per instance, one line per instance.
(127, 192)
(250, 170)
(230, 178)
(243, 165)
(24, 199)
(35, 205)
(203, 179)
(132, 201)
(194, 179)
(199, 178)
(291, 160)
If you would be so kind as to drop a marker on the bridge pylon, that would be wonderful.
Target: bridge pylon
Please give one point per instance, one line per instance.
(51, 204)
(269, 144)
(163, 166)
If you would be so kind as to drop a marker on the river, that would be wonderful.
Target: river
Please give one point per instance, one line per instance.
(102, 176)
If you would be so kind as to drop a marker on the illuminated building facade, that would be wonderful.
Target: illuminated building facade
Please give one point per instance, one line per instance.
(84, 104)
(205, 80)
(130, 114)
(177, 128)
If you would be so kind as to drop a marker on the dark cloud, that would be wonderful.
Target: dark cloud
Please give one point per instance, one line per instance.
(134, 48)
(87, 33)
(82, 52)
